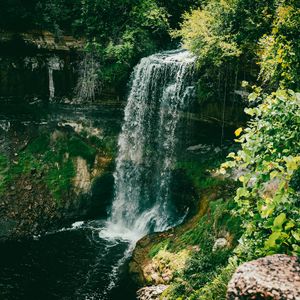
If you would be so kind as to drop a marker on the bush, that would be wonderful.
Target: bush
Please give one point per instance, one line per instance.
(269, 162)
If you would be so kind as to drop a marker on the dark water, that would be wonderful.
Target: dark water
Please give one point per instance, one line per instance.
(71, 264)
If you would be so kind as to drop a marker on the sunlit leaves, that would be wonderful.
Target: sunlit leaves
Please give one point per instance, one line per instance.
(268, 161)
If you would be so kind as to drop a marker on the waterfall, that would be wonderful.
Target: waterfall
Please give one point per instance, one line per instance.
(162, 87)
(54, 63)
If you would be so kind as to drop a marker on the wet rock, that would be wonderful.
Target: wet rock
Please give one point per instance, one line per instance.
(274, 277)
(151, 292)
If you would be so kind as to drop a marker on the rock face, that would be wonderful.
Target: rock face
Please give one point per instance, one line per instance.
(274, 277)
(151, 292)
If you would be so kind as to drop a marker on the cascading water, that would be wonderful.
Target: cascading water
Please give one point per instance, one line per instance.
(161, 90)
(86, 261)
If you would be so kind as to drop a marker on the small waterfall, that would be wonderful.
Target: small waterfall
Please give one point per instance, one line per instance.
(162, 86)
(54, 63)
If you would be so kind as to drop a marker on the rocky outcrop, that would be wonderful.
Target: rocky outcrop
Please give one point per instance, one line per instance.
(274, 277)
(44, 40)
(56, 172)
(151, 292)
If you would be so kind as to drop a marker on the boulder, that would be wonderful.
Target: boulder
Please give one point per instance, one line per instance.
(151, 292)
(220, 243)
(275, 277)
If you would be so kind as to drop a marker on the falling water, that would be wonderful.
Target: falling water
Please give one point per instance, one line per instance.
(54, 63)
(161, 89)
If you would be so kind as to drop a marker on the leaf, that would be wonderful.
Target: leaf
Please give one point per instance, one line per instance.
(271, 241)
(278, 222)
(296, 235)
(238, 131)
(289, 225)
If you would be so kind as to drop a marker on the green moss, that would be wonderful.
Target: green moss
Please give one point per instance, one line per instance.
(206, 269)
(4, 165)
(40, 144)
(54, 160)
(217, 287)
(157, 247)
(59, 179)
(77, 147)
(107, 145)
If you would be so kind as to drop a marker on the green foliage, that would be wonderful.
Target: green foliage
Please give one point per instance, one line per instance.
(206, 33)
(216, 289)
(120, 42)
(205, 265)
(223, 34)
(198, 169)
(157, 247)
(270, 159)
(280, 50)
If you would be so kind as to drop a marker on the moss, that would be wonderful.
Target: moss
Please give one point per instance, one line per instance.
(4, 165)
(157, 247)
(197, 171)
(40, 144)
(107, 145)
(206, 266)
(77, 147)
(59, 179)
(51, 160)
(216, 289)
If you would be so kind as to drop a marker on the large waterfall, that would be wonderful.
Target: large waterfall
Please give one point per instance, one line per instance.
(161, 89)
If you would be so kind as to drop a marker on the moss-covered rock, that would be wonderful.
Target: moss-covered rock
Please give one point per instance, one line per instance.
(49, 177)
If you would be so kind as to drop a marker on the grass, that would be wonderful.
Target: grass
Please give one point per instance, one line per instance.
(207, 272)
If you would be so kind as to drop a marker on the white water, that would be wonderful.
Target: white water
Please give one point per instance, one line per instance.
(54, 63)
(161, 89)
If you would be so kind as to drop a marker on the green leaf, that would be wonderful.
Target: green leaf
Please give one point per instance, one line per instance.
(278, 222)
(289, 225)
(271, 242)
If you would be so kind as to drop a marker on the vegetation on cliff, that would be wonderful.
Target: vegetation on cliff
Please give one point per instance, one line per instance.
(263, 36)
(118, 33)
(49, 176)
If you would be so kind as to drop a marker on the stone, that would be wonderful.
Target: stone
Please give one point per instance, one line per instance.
(82, 180)
(220, 243)
(151, 292)
(275, 277)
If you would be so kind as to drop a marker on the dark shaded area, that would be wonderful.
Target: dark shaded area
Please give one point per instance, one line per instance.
(101, 195)
(68, 265)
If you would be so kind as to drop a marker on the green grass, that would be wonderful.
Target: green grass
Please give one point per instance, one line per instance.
(207, 272)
